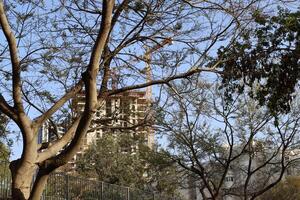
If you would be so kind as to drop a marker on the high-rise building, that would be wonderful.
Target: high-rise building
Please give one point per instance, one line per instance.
(50, 131)
(127, 112)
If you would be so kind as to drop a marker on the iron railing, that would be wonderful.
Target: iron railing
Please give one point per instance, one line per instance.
(62, 186)
(5, 180)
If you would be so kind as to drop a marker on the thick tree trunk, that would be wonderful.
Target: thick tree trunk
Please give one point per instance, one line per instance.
(26, 183)
(22, 178)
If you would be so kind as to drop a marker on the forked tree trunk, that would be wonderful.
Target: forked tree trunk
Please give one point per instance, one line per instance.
(22, 178)
(26, 182)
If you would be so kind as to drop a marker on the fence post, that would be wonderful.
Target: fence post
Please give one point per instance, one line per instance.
(101, 191)
(128, 194)
(67, 188)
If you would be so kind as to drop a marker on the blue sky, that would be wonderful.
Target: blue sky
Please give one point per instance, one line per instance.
(17, 146)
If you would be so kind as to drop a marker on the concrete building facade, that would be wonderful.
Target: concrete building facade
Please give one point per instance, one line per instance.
(126, 112)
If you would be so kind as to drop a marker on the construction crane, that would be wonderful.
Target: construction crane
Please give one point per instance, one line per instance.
(147, 58)
(147, 69)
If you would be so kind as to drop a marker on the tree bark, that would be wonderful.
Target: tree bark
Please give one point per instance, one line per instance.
(39, 185)
(26, 182)
(22, 178)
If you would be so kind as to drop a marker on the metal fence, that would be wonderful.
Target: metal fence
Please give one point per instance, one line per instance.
(61, 186)
(5, 180)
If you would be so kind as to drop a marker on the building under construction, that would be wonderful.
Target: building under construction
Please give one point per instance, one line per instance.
(128, 112)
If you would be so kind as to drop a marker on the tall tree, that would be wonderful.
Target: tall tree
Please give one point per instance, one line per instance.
(54, 51)
(232, 149)
(267, 58)
(124, 160)
(110, 159)
(264, 64)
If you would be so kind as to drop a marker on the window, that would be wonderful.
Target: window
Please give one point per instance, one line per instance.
(229, 179)
(108, 108)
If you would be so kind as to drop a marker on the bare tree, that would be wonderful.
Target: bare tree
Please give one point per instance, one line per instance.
(231, 149)
(55, 50)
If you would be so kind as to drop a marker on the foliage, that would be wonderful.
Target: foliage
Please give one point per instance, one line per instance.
(267, 59)
(231, 148)
(4, 152)
(111, 164)
(3, 123)
(136, 166)
(4, 130)
(288, 189)
(4, 149)
(54, 52)
(4, 167)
